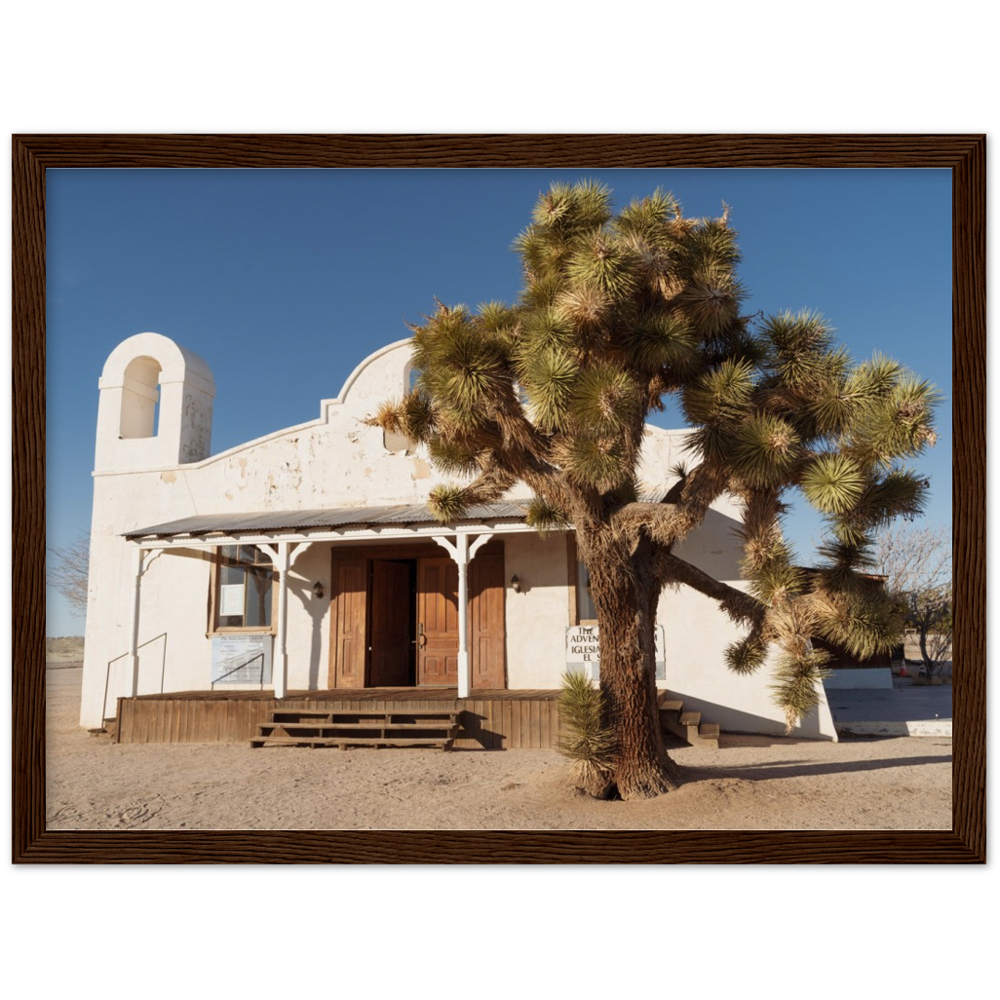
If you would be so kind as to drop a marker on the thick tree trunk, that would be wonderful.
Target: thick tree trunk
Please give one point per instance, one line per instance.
(626, 606)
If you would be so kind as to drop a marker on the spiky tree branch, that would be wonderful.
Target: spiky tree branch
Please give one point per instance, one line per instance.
(669, 522)
(741, 607)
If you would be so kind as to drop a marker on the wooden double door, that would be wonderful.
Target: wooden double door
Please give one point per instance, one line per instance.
(394, 619)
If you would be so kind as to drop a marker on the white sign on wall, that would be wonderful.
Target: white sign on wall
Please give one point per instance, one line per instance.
(583, 651)
(231, 599)
(241, 659)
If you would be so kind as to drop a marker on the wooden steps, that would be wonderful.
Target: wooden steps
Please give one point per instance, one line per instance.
(687, 725)
(403, 728)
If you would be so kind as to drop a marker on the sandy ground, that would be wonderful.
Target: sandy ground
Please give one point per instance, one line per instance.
(749, 783)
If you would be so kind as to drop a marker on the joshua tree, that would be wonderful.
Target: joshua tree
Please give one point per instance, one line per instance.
(617, 312)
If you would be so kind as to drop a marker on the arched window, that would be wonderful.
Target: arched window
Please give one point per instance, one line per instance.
(140, 399)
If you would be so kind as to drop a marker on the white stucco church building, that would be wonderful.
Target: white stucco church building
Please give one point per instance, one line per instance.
(307, 561)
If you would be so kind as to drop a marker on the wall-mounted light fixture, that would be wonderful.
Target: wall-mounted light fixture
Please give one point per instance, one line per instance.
(318, 589)
(515, 584)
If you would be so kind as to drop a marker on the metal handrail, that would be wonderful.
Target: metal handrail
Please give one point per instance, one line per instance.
(128, 652)
(240, 666)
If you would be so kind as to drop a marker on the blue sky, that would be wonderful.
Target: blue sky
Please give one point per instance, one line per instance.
(283, 280)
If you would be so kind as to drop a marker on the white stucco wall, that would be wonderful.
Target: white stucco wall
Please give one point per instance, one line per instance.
(538, 616)
(334, 461)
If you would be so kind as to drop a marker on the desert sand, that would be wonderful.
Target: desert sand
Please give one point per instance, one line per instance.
(749, 783)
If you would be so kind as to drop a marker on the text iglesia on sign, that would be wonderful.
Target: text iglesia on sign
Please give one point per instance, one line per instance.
(583, 651)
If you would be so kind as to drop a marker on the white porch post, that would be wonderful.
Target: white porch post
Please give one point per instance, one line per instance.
(462, 559)
(281, 676)
(138, 555)
(462, 554)
(282, 559)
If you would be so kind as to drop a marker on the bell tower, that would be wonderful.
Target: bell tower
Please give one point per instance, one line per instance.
(155, 408)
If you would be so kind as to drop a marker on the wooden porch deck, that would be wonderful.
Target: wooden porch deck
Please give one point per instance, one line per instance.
(490, 720)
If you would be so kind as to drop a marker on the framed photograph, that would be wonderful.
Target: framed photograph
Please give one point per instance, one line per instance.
(34, 154)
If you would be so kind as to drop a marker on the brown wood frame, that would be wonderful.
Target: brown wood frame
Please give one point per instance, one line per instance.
(964, 155)
(216, 558)
(571, 574)
(573, 581)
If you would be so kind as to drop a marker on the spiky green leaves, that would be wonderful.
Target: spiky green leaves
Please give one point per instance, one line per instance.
(605, 262)
(721, 394)
(543, 516)
(417, 416)
(746, 656)
(897, 492)
(499, 320)
(711, 247)
(876, 412)
(599, 400)
(547, 381)
(833, 483)
(900, 492)
(448, 502)
(454, 456)
(597, 462)
(765, 450)
(705, 262)
(843, 561)
(711, 302)
(831, 405)
(412, 416)
(776, 580)
(659, 338)
(645, 219)
(565, 219)
(604, 400)
(864, 622)
(800, 347)
(585, 736)
(799, 679)
(896, 423)
(874, 379)
(587, 307)
(544, 330)
(570, 208)
(463, 371)
(805, 375)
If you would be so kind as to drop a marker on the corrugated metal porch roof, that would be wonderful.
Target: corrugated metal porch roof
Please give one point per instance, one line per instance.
(303, 520)
(403, 515)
